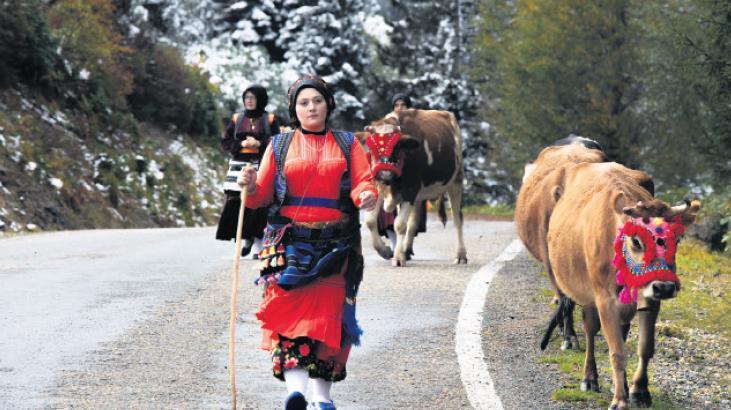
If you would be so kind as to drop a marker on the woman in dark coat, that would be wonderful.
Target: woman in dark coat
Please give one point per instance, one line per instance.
(247, 136)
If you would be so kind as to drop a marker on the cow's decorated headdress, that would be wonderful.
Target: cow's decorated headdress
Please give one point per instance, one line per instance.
(381, 147)
(656, 239)
(381, 142)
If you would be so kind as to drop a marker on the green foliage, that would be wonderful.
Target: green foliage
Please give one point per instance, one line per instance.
(27, 51)
(651, 81)
(563, 67)
(169, 92)
(710, 49)
(86, 35)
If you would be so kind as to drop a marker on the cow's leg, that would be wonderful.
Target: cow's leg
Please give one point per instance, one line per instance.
(411, 227)
(455, 200)
(565, 309)
(371, 221)
(639, 393)
(590, 318)
(570, 341)
(400, 224)
(609, 317)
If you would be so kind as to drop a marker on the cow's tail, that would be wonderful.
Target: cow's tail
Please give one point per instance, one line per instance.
(442, 209)
(565, 307)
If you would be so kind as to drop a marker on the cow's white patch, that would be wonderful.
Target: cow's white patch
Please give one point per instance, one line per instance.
(429, 155)
(431, 191)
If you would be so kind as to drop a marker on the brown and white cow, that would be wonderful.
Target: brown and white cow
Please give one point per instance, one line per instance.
(606, 222)
(416, 155)
(538, 195)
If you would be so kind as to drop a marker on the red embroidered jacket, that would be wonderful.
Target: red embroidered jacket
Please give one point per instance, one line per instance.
(313, 168)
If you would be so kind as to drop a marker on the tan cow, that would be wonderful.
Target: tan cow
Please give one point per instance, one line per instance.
(542, 185)
(604, 209)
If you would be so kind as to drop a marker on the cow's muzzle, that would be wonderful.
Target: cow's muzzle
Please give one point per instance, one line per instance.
(660, 290)
(385, 176)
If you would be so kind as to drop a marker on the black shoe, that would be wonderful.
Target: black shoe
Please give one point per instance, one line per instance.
(246, 247)
(295, 401)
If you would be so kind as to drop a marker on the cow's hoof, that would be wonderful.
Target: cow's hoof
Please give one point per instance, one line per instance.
(619, 406)
(589, 385)
(385, 252)
(397, 262)
(409, 254)
(570, 343)
(640, 399)
(460, 259)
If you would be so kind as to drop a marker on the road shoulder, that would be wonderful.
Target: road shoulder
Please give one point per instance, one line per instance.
(514, 317)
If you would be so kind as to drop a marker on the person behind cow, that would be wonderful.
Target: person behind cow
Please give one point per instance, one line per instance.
(314, 179)
(246, 138)
(399, 102)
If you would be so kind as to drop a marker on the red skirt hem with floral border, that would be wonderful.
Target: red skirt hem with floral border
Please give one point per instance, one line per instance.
(314, 311)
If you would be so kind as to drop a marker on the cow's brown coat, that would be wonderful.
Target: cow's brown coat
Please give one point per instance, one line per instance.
(593, 207)
(431, 168)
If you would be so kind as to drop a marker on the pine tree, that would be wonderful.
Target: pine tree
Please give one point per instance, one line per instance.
(321, 37)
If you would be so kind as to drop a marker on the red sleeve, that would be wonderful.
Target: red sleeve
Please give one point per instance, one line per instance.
(361, 178)
(264, 181)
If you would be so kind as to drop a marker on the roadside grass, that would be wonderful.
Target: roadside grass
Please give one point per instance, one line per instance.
(703, 303)
(571, 364)
(497, 212)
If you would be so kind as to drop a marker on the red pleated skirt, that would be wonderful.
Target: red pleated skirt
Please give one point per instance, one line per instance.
(314, 311)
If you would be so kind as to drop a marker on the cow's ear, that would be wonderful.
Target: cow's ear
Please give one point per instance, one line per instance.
(408, 144)
(620, 205)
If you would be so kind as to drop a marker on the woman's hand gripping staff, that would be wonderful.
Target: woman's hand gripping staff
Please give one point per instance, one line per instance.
(247, 180)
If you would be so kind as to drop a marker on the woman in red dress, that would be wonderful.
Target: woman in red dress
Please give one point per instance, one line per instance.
(313, 180)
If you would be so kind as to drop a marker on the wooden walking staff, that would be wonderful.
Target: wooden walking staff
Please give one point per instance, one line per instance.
(234, 288)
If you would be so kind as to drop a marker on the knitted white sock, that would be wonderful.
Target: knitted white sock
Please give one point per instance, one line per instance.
(321, 390)
(296, 380)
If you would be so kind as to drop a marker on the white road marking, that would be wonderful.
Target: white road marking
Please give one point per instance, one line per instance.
(468, 340)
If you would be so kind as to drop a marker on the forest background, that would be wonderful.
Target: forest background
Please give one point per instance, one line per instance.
(111, 110)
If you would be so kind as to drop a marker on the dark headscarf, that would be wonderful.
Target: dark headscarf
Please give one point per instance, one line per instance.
(262, 99)
(309, 81)
(400, 96)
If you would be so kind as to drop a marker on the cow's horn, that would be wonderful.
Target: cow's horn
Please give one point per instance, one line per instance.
(692, 206)
(397, 129)
(676, 210)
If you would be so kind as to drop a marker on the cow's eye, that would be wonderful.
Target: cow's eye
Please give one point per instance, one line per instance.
(637, 244)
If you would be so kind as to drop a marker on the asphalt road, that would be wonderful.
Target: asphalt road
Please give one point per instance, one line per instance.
(139, 319)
